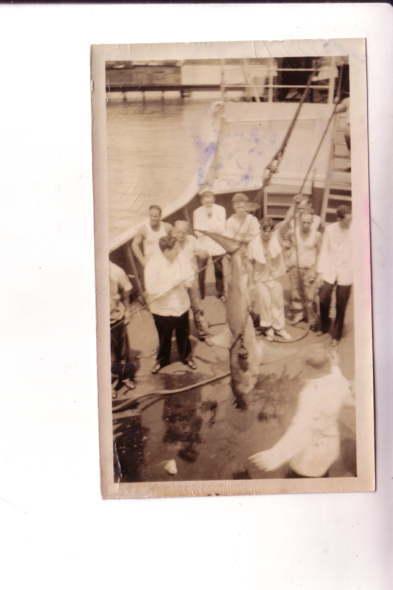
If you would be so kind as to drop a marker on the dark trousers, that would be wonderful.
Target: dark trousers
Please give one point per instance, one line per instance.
(120, 352)
(218, 273)
(165, 326)
(325, 297)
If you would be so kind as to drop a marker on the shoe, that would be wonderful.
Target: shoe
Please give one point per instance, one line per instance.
(223, 298)
(298, 317)
(334, 343)
(157, 367)
(129, 383)
(199, 322)
(269, 334)
(283, 334)
(191, 364)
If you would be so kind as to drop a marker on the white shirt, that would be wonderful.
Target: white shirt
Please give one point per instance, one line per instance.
(312, 442)
(267, 257)
(335, 259)
(152, 237)
(166, 285)
(243, 230)
(210, 219)
(188, 250)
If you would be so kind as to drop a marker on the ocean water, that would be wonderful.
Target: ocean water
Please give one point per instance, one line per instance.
(152, 155)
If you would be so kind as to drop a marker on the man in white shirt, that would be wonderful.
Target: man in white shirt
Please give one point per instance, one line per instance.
(210, 217)
(149, 235)
(123, 369)
(335, 269)
(167, 280)
(242, 225)
(312, 442)
(268, 267)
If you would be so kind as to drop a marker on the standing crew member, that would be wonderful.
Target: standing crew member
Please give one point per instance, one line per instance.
(335, 268)
(242, 225)
(268, 267)
(149, 235)
(302, 261)
(190, 253)
(210, 217)
(167, 281)
(120, 288)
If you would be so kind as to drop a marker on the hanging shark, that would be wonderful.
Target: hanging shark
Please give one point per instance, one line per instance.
(245, 351)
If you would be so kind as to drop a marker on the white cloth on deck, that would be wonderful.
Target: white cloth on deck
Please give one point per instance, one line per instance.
(312, 442)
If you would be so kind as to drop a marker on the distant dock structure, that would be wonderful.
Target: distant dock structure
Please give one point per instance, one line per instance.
(268, 80)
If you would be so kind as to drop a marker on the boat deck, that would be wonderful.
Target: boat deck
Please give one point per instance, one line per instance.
(201, 428)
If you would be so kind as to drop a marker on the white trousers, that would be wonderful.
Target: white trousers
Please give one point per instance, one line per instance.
(269, 304)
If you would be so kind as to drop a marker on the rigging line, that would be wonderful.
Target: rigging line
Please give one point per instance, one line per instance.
(272, 167)
(328, 123)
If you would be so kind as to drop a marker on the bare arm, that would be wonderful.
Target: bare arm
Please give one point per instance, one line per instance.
(284, 224)
(168, 228)
(136, 247)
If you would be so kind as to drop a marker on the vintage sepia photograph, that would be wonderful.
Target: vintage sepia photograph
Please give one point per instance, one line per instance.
(233, 274)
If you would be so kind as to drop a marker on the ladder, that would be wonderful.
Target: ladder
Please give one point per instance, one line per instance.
(338, 182)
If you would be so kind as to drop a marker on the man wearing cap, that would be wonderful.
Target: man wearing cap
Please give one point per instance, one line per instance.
(335, 268)
(210, 217)
(312, 442)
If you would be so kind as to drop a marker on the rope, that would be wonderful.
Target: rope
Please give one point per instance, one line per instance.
(328, 123)
(274, 163)
(164, 392)
(161, 393)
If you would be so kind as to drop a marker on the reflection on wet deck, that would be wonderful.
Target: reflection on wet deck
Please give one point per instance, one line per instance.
(202, 429)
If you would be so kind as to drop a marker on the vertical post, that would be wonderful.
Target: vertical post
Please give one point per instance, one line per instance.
(328, 178)
(222, 80)
(265, 198)
(270, 89)
(332, 81)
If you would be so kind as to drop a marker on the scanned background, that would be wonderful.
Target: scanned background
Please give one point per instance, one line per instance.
(56, 530)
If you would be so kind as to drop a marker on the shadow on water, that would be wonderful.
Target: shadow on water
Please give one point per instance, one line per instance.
(203, 430)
